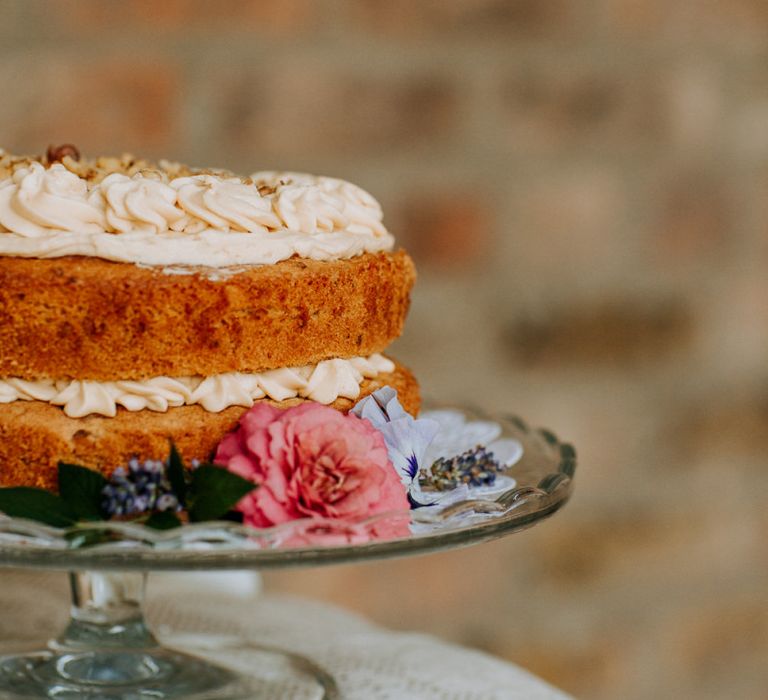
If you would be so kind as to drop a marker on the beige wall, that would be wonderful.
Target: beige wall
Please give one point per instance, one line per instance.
(584, 186)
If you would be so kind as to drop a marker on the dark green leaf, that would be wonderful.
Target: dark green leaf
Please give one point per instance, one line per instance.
(163, 520)
(36, 504)
(216, 491)
(177, 475)
(81, 489)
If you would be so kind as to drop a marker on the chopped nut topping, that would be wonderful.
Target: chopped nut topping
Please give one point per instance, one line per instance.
(266, 190)
(58, 153)
(94, 170)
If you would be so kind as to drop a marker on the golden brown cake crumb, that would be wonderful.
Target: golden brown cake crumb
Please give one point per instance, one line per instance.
(87, 318)
(104, 302)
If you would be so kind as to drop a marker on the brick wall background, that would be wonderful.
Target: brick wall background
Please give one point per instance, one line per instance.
(584, 188)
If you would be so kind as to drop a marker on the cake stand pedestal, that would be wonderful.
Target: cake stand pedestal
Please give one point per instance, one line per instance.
(107, 651)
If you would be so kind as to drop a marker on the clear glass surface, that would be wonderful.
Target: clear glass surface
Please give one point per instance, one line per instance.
(543, 479)
(107, 652)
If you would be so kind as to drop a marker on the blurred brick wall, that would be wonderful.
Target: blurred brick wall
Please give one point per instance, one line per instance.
(585, 189)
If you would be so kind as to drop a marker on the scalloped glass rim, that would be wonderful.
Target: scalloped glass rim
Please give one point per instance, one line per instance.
(544, 480)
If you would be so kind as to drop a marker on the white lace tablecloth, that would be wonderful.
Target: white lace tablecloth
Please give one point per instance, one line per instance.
(368, 663)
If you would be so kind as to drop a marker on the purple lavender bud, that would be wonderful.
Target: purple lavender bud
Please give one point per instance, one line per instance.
(142, 488)
(475, 467)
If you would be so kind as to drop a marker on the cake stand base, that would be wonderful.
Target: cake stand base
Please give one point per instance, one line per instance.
(107, 652)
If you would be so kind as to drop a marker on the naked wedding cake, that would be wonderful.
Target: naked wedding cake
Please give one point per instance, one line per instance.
(147, 302)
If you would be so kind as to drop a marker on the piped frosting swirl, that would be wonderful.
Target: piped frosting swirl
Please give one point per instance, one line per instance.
(149, 218)
(324, 382)
(137, 204)
(35, 201)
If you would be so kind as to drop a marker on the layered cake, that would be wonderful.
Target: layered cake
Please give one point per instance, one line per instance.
(146, 302)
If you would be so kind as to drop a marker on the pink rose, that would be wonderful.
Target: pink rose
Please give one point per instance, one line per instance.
(312, 461)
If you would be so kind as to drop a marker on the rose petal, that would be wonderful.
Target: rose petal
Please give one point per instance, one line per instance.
(315, 462)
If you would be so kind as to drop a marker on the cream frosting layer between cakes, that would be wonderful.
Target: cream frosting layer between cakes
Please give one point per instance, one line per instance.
(204, 219)
(324, 382)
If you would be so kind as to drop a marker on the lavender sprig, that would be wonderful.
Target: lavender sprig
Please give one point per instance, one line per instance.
(143, 488)
(475, 467)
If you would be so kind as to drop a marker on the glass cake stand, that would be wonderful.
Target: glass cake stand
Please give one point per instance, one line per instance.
(107, 651)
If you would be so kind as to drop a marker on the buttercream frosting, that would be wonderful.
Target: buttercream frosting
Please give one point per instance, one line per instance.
(37, 200)
(362, 211)
(137, 204)
(324, 382)
(224, 204)
(148, 219)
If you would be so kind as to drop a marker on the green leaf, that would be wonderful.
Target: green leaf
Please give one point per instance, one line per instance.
(81, 489)
(215, 491)
(177, 475)
(163, 520)
(36, 504)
